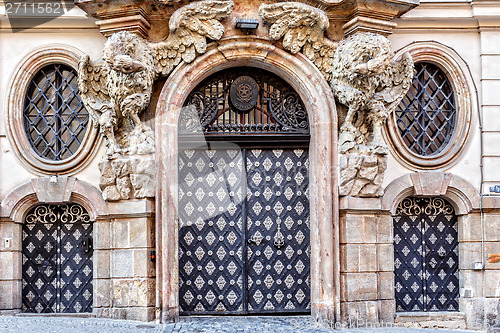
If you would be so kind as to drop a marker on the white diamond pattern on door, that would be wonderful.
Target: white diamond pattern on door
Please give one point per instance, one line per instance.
(211, 185)
(426, 255)
(244, 231)
(278, 230)
(57, 267)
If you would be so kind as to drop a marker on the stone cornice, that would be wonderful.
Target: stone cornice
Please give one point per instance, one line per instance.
(139, 16)
(441, 15)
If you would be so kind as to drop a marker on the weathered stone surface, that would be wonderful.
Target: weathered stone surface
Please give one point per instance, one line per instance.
(367, 83)
(124, 186)
(111, 193)
(133, 292)
(362, 175)
(433, 320)
(131, 177)
(143, 186)
(386, 285)
(358, 229)
(120, 167)
(364, 313)
(359, 286)
(356, 258)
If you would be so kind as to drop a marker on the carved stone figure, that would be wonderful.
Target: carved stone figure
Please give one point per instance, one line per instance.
(367, 82)
(117, 89)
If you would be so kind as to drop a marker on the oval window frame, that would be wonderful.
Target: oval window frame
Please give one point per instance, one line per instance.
(24, 74)
(461, 82)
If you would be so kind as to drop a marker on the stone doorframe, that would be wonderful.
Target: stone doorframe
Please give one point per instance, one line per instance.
(465, 200)
(308, 82)
(15, 206)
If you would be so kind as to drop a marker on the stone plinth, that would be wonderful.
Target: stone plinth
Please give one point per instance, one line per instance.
(124, 279)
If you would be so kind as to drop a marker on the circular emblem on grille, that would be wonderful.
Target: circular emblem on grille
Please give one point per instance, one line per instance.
(244, 93)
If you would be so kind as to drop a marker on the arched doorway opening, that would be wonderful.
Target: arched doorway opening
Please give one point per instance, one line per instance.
(426, 255)
(244, 235)
(57, 259)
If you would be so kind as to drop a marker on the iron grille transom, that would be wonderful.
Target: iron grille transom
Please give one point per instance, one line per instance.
(212, 108)
(426, 116)
(426, 255)
(55, 118)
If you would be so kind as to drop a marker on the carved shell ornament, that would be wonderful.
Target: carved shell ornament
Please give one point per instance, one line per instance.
(367, 82)
(118, 88)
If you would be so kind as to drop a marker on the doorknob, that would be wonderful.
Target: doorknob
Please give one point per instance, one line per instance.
(255, 239)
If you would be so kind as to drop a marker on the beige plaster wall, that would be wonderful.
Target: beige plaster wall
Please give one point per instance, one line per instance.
(13, 48)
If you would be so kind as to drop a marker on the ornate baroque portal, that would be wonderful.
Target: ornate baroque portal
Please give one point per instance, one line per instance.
(244, 210)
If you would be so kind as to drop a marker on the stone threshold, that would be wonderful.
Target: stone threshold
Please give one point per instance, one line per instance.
(58, 315)
(448, 320)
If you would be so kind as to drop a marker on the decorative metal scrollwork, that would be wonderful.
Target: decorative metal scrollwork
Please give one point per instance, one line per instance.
(244, 100)
(417, 206)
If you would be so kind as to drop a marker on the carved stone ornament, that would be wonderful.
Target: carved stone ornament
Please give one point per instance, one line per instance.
(367, 82)
(117, 89)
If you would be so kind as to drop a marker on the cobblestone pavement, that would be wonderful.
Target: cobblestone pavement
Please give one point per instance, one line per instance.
(12, 324)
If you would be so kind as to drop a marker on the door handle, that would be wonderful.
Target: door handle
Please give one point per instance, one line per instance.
(87, 244)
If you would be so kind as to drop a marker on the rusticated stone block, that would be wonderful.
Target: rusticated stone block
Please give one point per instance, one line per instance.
(101, 260)
(359, 286)
(124, 187)
(385, 257)
(10, 265)
(492, 283)
(362, 175)
(121, 167)
(106, 181)
(360, 314)
(387, 311)
(386, 285)
(102, 292)
(471, 283)
(358, 258)
(111, 193)
(356, 228)
(473, 308)
(102, 235)
(133, 292)
(121, 239)
(143, 165)
(143, 186)
(10, 295)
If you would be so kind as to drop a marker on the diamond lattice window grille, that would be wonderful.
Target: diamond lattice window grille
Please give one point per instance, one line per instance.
(426, 116)
(55, 118)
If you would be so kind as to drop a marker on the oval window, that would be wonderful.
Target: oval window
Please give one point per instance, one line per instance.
(55, 118)
(425, 118)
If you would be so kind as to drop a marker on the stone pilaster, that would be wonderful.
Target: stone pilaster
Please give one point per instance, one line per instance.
(125, 275)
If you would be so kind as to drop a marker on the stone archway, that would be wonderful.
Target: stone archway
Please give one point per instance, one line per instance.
(14, 209)
(314, 90)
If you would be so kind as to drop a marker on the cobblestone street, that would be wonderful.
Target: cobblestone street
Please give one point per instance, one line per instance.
(11, 324)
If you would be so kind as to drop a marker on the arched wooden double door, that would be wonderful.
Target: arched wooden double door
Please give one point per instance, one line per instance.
(244, 196)
(57, 260)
